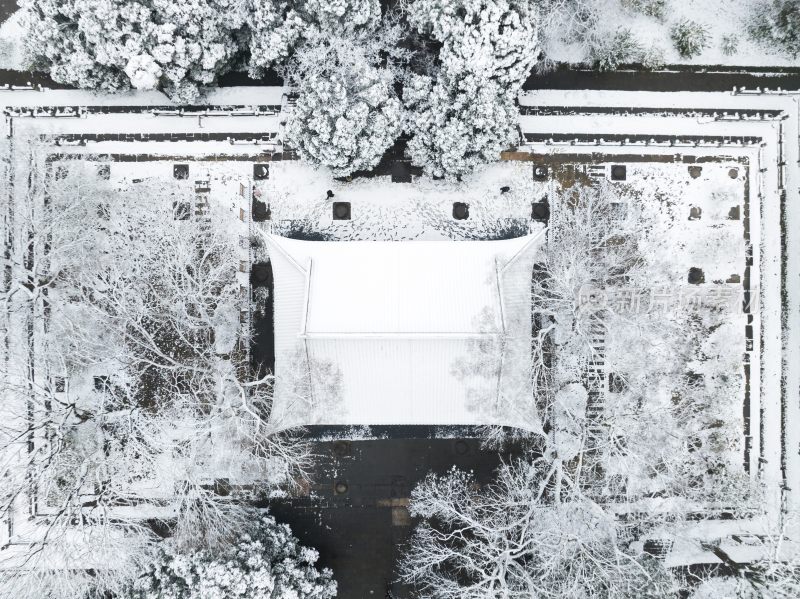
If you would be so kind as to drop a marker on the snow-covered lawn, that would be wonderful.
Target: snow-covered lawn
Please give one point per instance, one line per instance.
(701, 219)
(724, 20)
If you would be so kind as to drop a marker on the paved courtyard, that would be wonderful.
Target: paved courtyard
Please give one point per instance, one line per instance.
(359, 531)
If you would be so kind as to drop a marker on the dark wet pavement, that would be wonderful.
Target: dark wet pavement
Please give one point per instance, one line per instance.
(679, 78)
(7, 8)
(360, 525)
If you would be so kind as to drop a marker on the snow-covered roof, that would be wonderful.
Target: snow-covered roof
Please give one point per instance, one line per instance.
(392, 322)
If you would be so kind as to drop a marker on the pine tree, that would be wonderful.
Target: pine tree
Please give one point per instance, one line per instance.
(277, 29)
(266, 563)
(496, 39)
(458, 124)
(462, 111)
(347, 112)
(175, 45)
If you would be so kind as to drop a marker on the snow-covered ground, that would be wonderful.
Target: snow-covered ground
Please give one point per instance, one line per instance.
(386, 211)
(761, 128)
(244, 98)
(722, 18)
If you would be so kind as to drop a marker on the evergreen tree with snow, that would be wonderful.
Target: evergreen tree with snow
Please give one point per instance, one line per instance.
(690, 38)
(457, 124)
(277, 29)
(266, 563)
(495, 39)
(462, 109)
(347, 113)
(178, 46)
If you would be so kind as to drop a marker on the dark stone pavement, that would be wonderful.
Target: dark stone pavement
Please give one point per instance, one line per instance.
(262, 346)
(7, 8)
(360, 531)
(673, 78)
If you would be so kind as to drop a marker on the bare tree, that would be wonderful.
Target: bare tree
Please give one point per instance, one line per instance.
(518, 538)
(616, 463)
(127, 394)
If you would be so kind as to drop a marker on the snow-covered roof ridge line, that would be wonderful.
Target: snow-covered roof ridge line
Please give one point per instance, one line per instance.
(393, 319)
(389, 271)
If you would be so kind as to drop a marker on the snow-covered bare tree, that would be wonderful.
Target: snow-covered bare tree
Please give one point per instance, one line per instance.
(534, 532)
(126, 399)
(523, 535)
(178, 46)
(264, 562)
(591, 251)
(647, 453)
(595, 297)
(347, 113)
(772, 573)
(462, 112)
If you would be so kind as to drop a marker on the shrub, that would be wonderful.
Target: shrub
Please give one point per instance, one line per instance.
(690, 37)
(267, 563)
(650, 8)
(620, 49)
(653, 58)
(729, 45)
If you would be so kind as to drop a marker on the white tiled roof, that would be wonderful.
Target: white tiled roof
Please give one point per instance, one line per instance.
(393, 320)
